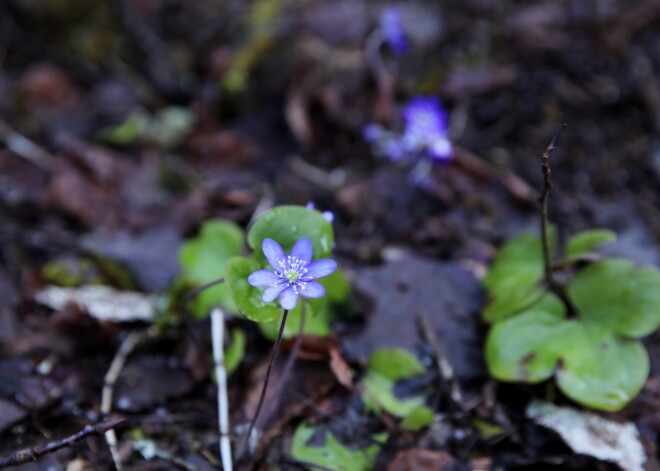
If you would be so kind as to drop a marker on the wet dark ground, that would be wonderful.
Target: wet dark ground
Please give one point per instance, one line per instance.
(287, 130)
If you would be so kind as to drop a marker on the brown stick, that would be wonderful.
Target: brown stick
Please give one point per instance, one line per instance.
(33, 454)
(553, 285)
(547, 186)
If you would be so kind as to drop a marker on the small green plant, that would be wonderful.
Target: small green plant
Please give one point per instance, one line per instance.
(576, 318)
(291, 246)
(386, 367)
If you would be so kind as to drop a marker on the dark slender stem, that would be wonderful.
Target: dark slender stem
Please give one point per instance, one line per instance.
(271, 362)
(33, 454)
(304, 464)
(187, 318)
(188, 297)
(547, 186)
(548, 263)
(288, 366)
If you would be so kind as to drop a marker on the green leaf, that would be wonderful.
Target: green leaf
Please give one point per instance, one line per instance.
(386, 366)
(524, 348)
(317, 322)
(330, 453)
(203, 260)
(513, 280)
(236, 351)
(247, 297)
(618, 295)
(487, 429)
(509, 304)
(518, 265)
(288, 224)
(586, 241)
(379, 394)
(593, 365)
(394, 364)
(417, 419)
(600, 369)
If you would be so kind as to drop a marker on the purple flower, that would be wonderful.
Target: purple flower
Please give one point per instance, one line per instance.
(426, 128)
(292, 275)
(328, 215)
(373, 132)
(393, 32)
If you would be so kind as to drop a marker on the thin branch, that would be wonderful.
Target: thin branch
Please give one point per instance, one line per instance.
(24, 147)
(118, 362)
(553, 285)
(547, 186)
(217, 334)
(305, 464)
(187, 318)
(446, 370)
(271, 361)
(188, 297)
(33, 454)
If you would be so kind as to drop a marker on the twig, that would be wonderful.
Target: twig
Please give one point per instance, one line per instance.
(446, 370)
(553, 285)
(187, 318)
(33, 454)
(217, 334)
(271, 361)
(125, 349)
(547, 186)
(304, 464)
(24, 147)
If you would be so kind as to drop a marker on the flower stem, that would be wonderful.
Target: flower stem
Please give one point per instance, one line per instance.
(271, 361)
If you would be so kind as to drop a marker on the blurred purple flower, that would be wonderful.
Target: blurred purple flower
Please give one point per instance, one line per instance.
(393, 32)
(426, 128)
(293, 275)
(328, 215)
(372, 132)
(425, 133)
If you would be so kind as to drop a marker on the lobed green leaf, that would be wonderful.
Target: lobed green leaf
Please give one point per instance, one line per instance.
(586, 241)
(616, 294)
(247, 297)
(288, 224)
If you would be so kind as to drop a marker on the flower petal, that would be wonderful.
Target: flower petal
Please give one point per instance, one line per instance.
(289, 299)
(320, 268)
(263, 278)
(274, 254)
(272, 292)
(312, 289)
(303, 250)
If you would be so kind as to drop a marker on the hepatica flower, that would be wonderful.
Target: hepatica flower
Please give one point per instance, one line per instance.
(292, 275)
(393, 32)
(424, 136)
(426, 128)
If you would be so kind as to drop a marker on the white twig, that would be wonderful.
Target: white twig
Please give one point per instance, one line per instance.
(217, 334)
(125, 349)
(24, 147)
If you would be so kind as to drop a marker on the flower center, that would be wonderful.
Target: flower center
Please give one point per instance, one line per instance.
(293, 269)
(291, 275)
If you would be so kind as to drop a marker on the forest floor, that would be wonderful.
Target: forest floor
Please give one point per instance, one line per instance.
(128, 123)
